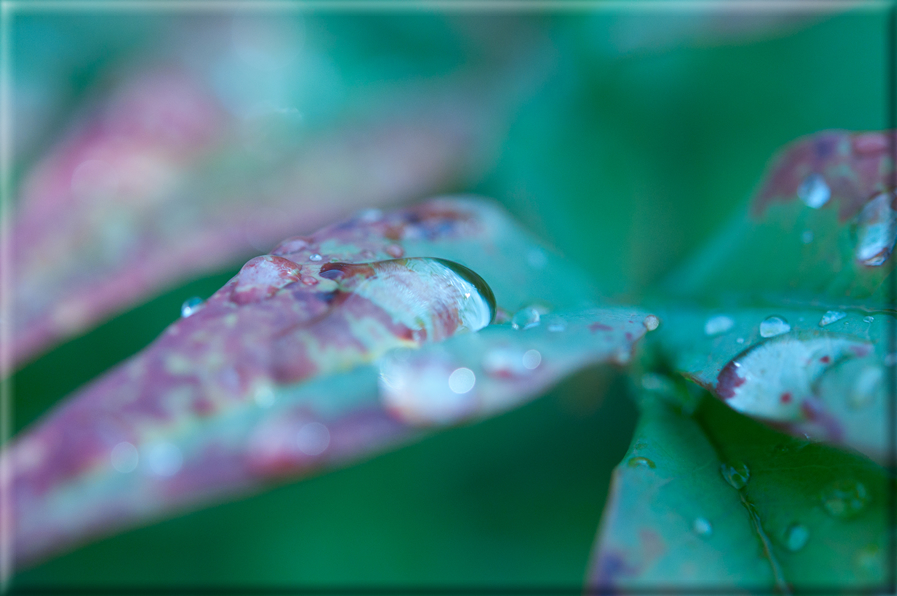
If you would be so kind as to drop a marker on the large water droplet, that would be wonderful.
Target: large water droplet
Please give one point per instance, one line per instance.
(772, 326)
(718, 324)
(736, 474)
(795, 537)
(190, 306)
(845, 499)
(702, 527)
(775, 379)
(433, 298)
(876, 230)
(831, 316)
(813, 191)
(526, 318)
(640, 462)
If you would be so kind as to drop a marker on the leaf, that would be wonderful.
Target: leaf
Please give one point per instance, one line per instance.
(822, 376)
(819, 229)
(791, 516)
(305, 360)
(159, 181)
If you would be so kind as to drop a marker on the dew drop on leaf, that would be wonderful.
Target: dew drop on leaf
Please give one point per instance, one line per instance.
(315, 257)
(526, 318)
(845, 499)
(831, 316)
(795, 537)
(702, 527)
(640, 462)
(190, 306)
(736, 474)
(868, 319)
(718, 324)
(876, 230)
(651, 322)
(813, 191)
(772, 326)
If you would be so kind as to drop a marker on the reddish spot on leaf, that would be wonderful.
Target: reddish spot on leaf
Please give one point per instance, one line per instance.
(825, 359)
(785, 398)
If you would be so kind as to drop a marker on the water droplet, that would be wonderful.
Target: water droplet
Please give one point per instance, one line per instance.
(868, 319)
(313, 438)
(526, 318)
(876, 230)
(702, 527)
(736, 474)
(795, 537)
(315, 257)
(532, 359)
(164, 459)
(462, 380)
(290, 245)
(845, 499)
(124, 457)
(866, 387)
(813, 191)
(651, 322)
(718, 324)
(431, 298)
(806, 237)
(308, 280)
(190, 306)
(640, 462)
(831, 316)
(413, 388)
(772, 326)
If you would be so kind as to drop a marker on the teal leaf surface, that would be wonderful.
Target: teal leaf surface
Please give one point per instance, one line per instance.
(717, 501)
(333, 347)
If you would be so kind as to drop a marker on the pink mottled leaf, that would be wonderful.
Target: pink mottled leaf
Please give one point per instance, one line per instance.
(333, 347)
(158, 181)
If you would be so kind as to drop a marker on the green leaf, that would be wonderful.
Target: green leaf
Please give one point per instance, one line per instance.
(320, 353)
(791, 516)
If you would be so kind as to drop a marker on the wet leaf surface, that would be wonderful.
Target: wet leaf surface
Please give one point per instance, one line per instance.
(820, 227)
(316, 354)
(719, 502)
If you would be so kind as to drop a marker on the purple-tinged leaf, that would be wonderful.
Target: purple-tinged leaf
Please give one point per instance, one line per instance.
(822, 224)
(717, 502)
(305, 360)
(156, 184)
(814, 373)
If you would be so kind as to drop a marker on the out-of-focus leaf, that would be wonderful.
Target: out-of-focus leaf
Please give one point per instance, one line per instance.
(293, 365)
(814, 373)
(719, 502)
(821, 225)
(155, 187)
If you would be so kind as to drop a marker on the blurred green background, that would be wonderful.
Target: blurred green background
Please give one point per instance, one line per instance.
(629, 136)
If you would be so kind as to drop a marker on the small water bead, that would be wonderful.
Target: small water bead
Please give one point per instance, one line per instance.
(795, 537)
(395, 251)
(702, 527)
(813, 191)
(876, 230)
(315, 257)
(845, 499)
(736, 474)
(124, 457)
(462, 380)
(718, 324)
(868, 319)
(532, 359)
(772, 326)
(640, 462)
(831, 316)
(651, 322)
(526, 318)
(190, 306)
(313, 438)
(806, 237)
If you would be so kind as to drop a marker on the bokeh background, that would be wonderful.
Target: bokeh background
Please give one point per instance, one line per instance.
(624, 135)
